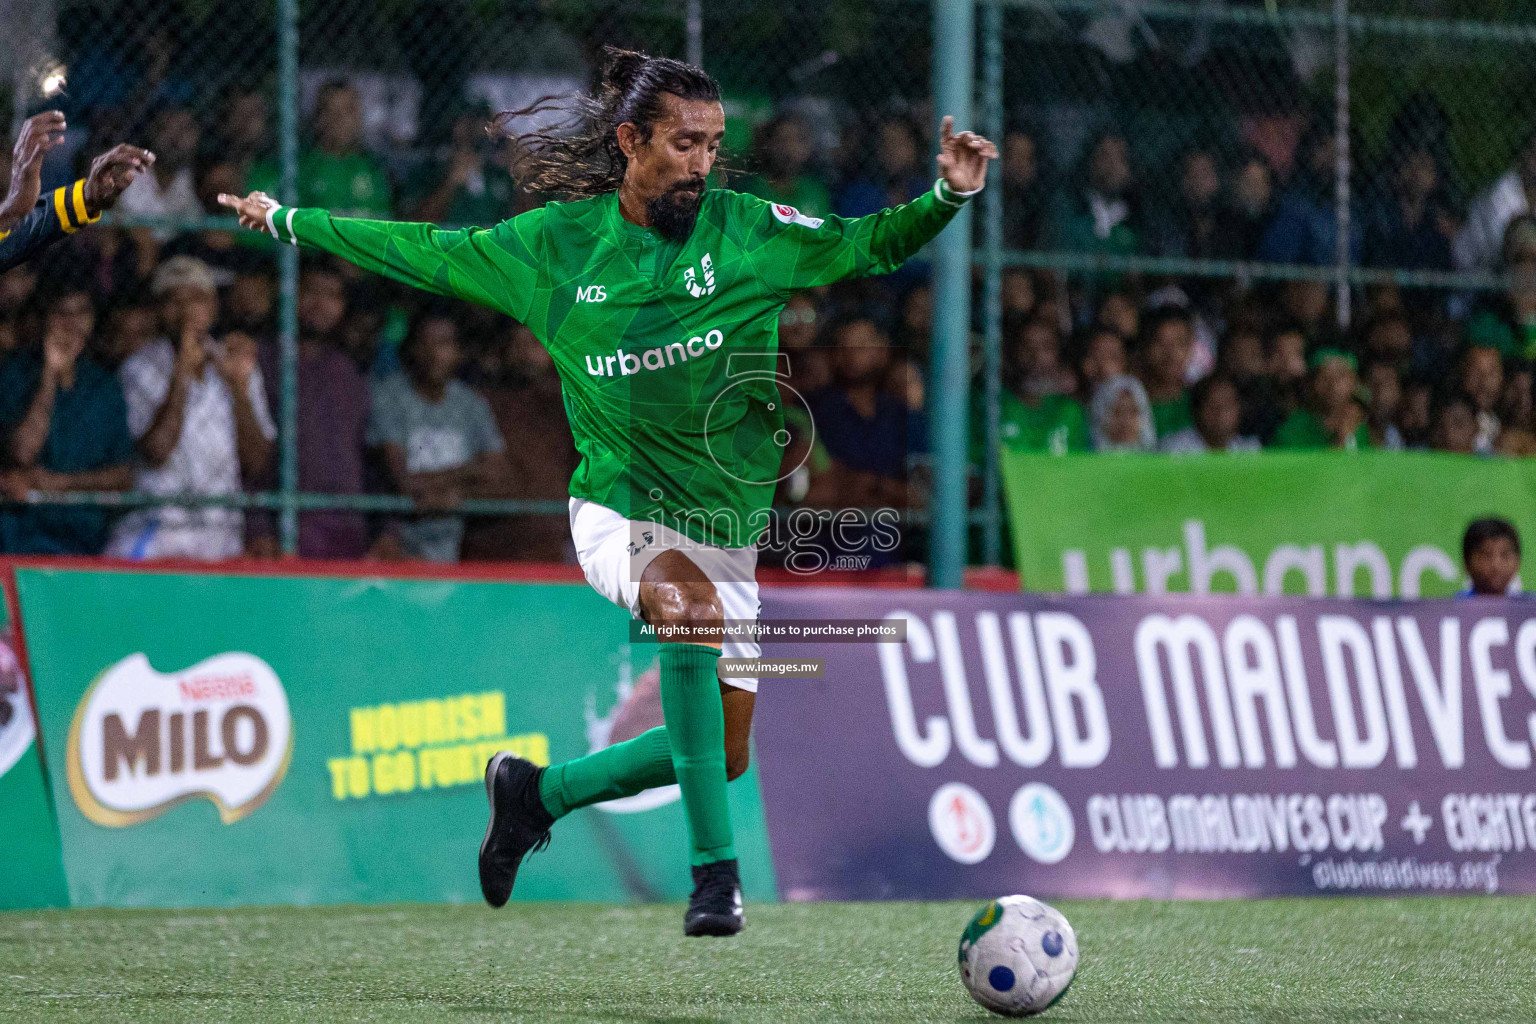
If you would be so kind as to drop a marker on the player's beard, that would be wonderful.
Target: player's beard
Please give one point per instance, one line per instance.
(675, 211)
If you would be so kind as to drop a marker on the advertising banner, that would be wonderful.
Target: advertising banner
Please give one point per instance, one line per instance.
(218, 740)
(1317, 524)
(33, 871)
(1153, 747)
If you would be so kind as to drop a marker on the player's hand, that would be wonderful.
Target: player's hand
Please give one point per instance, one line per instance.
(112, 173)
(39, 134)
(252, 209)
(963, 158)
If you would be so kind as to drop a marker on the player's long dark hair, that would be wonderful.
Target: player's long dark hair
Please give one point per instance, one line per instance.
(580, 155)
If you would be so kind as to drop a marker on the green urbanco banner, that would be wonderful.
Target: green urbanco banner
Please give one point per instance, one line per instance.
(1371, 524)
(31, 869)
(217, 740)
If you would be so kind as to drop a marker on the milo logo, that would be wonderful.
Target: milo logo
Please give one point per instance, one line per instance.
(143, 741)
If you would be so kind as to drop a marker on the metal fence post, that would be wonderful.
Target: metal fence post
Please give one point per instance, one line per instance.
(992, 283)
(694, 25)
(1341, 173)
(288, 275)
(954, 40)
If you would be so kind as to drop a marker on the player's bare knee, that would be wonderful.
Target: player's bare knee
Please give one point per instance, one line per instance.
(695, 605)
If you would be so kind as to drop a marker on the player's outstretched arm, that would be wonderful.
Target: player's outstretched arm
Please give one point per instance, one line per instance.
(806, 252)
(496, 267)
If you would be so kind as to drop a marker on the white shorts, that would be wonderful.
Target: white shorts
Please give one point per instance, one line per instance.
(614, 551)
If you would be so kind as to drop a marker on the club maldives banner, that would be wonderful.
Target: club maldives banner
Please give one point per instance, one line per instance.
(218, 740)
(1153, 747)
(1372, 524)
(222, 740)
(33, 869)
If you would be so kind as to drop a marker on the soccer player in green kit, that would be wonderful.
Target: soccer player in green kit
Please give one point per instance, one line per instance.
(645, 289)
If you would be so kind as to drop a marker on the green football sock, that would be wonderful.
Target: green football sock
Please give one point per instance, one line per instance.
(695, 716)
(623, 769)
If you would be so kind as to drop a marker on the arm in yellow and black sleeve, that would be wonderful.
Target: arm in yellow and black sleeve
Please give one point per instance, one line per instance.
(58, 213)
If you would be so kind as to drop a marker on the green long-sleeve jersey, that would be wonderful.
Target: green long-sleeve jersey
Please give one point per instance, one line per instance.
(667, 351)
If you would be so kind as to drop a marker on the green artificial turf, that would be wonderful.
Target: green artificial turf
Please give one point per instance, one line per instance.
(1272, 961)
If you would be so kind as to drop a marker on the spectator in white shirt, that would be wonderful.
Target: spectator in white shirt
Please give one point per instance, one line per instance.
(1217, 410)
(1481, 240)
(169, 190)
(198, 413)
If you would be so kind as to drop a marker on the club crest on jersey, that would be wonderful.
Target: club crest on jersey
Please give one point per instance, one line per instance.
(790, 215)
(691, 279)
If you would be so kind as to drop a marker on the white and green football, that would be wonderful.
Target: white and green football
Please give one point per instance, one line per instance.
(1018, 956)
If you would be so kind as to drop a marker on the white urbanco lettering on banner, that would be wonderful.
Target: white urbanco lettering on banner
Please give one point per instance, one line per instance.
(1197, 566)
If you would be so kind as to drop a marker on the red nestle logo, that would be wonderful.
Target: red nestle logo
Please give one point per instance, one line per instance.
(216, 687)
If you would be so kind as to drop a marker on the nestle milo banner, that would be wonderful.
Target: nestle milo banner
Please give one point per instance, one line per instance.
(218, 740)
(31, 870)
(1372, 524)
(1154, 747)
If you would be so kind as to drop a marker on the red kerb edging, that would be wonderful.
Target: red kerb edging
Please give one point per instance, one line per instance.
(900, 577)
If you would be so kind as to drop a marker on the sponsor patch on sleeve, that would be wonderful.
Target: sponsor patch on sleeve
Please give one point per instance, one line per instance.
(790, 215)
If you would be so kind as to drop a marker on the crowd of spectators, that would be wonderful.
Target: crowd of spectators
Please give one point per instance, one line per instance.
(145, 359)
(1184, 365)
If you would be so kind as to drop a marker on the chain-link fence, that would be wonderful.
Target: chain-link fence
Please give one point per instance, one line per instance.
(1205, 157)
(1294, 181)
